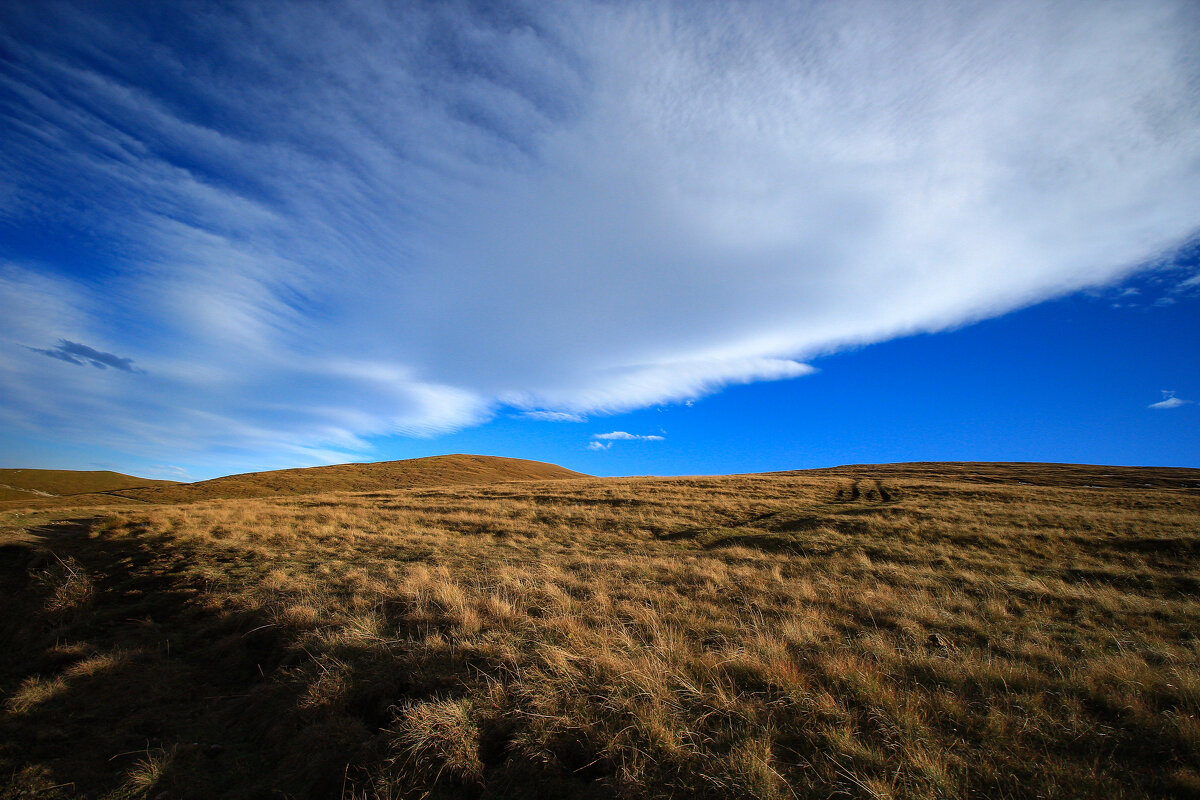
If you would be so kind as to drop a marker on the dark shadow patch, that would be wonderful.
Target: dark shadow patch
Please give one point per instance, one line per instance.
(145, 673)
(1179, 546)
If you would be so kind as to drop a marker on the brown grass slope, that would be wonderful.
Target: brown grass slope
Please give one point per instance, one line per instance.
(61, 482)
(449, 470)
(1030, 473)
(804, 635)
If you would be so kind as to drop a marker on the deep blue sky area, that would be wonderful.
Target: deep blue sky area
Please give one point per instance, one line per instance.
(629, 238)
(1069, 380)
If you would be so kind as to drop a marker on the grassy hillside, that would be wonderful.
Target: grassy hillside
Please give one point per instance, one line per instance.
(1036, 474)
(23, 483)
(776, 636)
(451, 470)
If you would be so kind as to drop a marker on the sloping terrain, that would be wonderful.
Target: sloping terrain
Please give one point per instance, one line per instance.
(1028, 473)
(18, 484)
(451, 470)
(811, 635)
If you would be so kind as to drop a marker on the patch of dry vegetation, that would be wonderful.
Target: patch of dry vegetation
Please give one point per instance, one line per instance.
(755, 636)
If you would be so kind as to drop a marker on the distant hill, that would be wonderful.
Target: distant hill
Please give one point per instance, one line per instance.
(35, 488)
(1031, 473)
(25, 484)
(451, 470)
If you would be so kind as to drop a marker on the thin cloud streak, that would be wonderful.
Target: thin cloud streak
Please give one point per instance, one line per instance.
(628, 437)
(319, 228)
(553, 416)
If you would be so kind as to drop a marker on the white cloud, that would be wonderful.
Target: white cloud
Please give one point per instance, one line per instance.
(627, 437)
(1169, 401)
(619, 389)
(321, 227)
(553, 416)
(599, 445)
(168, 472)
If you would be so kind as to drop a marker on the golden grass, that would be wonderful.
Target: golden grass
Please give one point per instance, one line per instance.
(67, 585)
(28, 483)
(778, 636)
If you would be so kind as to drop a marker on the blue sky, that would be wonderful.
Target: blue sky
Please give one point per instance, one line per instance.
(630, 238)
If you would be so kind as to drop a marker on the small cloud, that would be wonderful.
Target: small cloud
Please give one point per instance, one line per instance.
(1169, 401)
(81, 354)
(169, 472)
(603, 441)
(553, 416)
(627, 437)
(1164, 301)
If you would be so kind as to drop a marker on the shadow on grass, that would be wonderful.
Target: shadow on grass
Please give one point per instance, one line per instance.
(121, 678)
(138, 681)
(793, 530)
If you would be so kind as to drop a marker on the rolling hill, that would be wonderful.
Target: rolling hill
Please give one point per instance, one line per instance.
(449, 470)
(25, 484)
(38, 488)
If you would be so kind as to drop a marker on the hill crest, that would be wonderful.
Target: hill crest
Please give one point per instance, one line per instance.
(458, 469)
(26, 484)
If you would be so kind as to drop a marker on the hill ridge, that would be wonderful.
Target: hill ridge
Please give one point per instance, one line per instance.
(456, 469)
(1034, 473)
(20, 483)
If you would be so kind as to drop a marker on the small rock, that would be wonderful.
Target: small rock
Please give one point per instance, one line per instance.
(935, 641)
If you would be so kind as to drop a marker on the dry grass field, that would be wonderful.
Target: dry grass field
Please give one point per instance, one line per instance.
(37, 484)
(912, 631)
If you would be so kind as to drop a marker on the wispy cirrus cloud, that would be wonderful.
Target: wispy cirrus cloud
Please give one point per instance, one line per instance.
(553, 416)
(623, 436)
(605, 441)
(317, 225)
